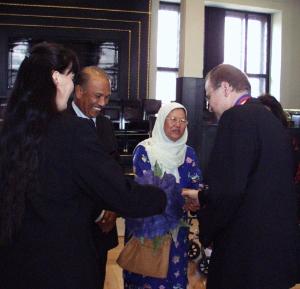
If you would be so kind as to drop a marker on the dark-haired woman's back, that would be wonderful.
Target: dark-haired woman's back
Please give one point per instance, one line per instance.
(54, 248)
(54, 181)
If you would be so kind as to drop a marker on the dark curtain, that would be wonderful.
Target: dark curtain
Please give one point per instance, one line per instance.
(214, 38)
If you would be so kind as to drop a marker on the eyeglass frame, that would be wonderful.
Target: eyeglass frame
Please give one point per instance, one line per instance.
(174, 120)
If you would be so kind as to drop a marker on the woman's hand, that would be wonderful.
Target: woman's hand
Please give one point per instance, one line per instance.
(191, 199)
(191, 194)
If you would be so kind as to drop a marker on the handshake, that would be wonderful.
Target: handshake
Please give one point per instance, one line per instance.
(194, 199)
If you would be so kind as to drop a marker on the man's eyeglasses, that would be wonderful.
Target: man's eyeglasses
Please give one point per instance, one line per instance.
(174, 120)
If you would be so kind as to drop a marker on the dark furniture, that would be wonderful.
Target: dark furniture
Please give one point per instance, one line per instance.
(133, 121)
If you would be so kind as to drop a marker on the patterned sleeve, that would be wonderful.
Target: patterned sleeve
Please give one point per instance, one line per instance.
(195, 178)
(140, 161)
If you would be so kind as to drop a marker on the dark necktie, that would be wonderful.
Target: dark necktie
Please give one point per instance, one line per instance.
(92, 122)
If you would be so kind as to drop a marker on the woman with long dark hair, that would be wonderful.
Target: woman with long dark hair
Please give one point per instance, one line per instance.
(54, 181)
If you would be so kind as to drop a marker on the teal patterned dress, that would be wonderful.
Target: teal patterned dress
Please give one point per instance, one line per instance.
(190, 177)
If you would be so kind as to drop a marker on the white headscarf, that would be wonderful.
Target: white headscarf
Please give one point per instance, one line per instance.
(168, 154)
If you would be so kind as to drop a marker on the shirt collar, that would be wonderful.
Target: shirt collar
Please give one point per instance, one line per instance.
(79, 113)
(242, 99)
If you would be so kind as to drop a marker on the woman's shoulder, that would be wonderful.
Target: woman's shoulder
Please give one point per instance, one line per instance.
(190, 157)
(70, 127)
(70, 122)
(140, 155)
(139, 150)
(190, 151)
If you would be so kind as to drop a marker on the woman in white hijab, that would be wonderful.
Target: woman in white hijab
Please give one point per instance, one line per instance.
(167, 148)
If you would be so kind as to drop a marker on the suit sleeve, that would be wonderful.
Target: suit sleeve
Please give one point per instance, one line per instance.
(100, 176)
(107, 137)
(233, 159)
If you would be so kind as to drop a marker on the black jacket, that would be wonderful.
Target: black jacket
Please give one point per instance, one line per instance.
(107, 139)
(55, 247)
(250, 215)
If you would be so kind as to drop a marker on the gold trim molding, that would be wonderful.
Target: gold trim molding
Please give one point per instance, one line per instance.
(97, 19)
(139, 23)
(84, 28)
(73, 7)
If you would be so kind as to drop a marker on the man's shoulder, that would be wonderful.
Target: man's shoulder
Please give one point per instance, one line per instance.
(103, 118)
(104, 121)
(248, 110)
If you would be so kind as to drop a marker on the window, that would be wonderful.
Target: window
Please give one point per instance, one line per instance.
(167, 51)
(104, 54)
(246, 46)
(16, 54)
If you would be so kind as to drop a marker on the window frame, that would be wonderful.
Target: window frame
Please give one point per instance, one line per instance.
(266, 75)
(176, 7)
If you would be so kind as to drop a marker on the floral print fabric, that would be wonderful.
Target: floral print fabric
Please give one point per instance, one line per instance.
(190, 177)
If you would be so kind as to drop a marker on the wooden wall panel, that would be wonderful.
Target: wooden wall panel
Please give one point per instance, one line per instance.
(127, 22)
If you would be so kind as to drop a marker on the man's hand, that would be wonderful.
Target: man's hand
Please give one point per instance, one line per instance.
(107, 222)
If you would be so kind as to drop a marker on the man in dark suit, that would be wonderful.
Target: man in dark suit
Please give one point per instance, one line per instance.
(92, 92)
(249, 214)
